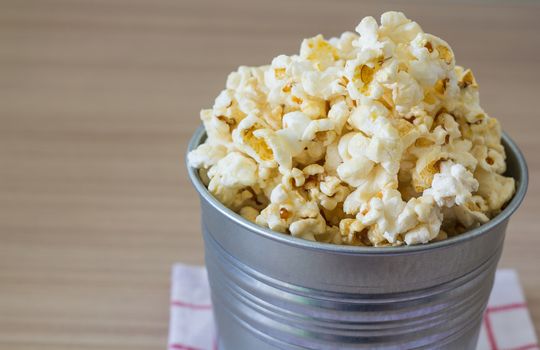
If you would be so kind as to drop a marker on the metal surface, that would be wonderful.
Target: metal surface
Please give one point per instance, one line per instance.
(274, 291)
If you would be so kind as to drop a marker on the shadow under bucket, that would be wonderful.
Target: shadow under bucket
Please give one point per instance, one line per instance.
(275, 291)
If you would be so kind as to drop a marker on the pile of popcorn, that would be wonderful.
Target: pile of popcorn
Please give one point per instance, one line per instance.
(375, 138)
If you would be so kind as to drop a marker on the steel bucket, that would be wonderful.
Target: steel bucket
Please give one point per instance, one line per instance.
(274, 291)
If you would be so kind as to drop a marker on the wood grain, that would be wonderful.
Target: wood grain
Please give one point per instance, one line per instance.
(98, 100)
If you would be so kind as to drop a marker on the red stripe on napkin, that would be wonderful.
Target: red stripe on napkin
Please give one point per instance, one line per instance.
(181, 303)
(182, 347)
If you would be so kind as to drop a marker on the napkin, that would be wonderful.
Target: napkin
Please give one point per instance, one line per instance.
(506, 325)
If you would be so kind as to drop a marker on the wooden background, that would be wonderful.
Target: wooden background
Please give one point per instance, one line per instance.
(97, 102)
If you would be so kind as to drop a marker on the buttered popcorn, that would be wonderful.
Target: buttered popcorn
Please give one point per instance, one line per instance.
(374, 138)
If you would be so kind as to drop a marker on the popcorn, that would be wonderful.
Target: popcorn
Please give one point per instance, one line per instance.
(418, 235)
(406, 93)
(249, 213)
(308, 228)
(230, 176)
(207, 155)
(427, 164)
(249, 139)
(330, 193)
(496, 189)
(344, 45)
(382, 211)
(317, 126)
(355, 170)
(318, 51)
(351, 229)
(339, 113)
(398, 28)
(288, 208)
(326, 84)
(374, 138)
(434, 59)
(453, 185)
(469, 215)
(426, 218)
(375, 182)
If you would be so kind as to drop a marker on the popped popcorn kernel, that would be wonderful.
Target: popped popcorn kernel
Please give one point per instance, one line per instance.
(453, 185)
(445, 54)
(372, 138)
(467, 79)
(257, 144)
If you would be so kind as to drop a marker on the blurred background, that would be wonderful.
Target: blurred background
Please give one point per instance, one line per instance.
(97, 102)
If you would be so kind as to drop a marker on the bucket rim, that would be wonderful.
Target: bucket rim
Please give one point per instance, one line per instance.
(521, 178)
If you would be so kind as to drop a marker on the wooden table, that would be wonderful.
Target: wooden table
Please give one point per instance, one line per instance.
(97, 102)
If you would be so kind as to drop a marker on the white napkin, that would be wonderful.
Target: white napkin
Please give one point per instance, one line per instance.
(192, 322)
(507, 324)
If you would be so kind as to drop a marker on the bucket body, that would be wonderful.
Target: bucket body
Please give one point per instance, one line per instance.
(273, 291)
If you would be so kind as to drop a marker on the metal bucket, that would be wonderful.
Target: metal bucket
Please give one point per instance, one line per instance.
(274, 291)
